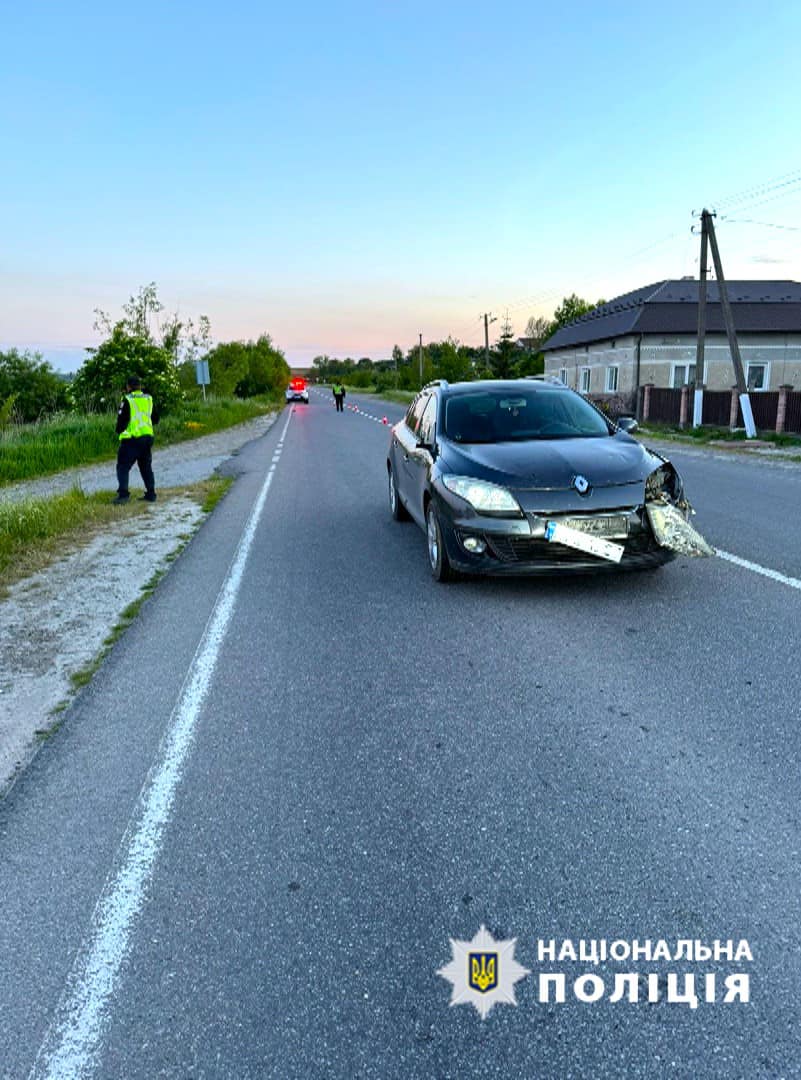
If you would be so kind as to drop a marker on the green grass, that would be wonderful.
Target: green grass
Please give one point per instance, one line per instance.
(32, 531)
(49, 446)
(400, 397)
(716, 434)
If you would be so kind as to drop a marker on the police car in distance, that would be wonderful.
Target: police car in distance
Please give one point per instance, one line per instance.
(297, 390)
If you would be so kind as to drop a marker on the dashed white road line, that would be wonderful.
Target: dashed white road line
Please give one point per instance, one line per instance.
(774, 575)
(71, 1043)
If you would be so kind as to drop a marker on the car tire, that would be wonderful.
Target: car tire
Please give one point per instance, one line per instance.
(396, 507)
(437, 556)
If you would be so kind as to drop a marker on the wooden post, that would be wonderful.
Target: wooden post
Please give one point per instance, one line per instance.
(781, 411)
(684, 406)
(731, 333)
(698, 396)
(646, 400)
(735, 401)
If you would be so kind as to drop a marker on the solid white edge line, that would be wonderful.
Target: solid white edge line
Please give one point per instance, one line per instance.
(774, 575)
(71, 1042)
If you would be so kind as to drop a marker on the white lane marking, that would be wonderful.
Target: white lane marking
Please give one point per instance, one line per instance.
(774, 575)
(71, 1043)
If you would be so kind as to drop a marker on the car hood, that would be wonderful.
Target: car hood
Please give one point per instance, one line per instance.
(548, 465)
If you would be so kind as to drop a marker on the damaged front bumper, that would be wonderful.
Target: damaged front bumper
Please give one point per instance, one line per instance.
(672, 529)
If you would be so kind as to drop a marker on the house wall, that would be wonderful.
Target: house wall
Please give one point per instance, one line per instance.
(620, 353)
(658, 355)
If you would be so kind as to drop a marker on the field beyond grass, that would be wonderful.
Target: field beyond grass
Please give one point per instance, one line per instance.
(50, 446)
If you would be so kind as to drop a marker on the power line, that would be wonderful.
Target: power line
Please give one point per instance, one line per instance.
(758, 189)
(764, 224)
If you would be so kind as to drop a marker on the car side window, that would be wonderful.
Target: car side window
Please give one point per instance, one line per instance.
(428, 422)
(415, 412)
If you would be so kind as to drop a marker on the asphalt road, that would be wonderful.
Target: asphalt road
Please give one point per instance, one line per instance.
(307, 767)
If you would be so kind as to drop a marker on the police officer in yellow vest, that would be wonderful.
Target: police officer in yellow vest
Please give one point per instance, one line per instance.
(135, 420)
(339, 395)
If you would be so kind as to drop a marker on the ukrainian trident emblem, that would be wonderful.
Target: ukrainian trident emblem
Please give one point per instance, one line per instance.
(483, 971)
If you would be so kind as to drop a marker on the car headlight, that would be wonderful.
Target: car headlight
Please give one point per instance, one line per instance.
(484, 497)
(664, 483)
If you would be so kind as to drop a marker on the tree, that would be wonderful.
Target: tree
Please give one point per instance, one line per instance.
(267, 369)
(182, 340)
(32, 384)
(100, 381)
(244, 369)
(571, 308)
(504, 355)
(537, 330)
(137, 344)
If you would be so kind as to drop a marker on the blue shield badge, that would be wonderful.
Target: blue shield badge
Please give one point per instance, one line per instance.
(482, 971)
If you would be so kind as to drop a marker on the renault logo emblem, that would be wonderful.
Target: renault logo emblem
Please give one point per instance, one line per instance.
(581, 484)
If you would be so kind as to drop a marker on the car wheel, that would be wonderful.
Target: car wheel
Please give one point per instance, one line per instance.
(437, 556)
(396, 507)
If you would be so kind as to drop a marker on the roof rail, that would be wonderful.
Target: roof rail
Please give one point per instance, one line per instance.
(437, 382)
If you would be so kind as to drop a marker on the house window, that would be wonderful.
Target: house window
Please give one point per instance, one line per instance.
(611, 380)
(585, 380)
(563, 375)
(757, 377)
(682, 375)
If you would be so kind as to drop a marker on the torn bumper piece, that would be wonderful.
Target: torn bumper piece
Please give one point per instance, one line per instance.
(671, 530)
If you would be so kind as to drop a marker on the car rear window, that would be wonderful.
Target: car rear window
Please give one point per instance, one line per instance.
(514, 415)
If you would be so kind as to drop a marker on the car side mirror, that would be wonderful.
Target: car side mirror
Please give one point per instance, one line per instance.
(627, 424)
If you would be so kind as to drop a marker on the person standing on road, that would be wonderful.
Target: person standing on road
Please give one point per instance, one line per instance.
(135, 421)
(339, 396)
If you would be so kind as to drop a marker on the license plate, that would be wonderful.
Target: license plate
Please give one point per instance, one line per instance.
(594, 545)
(609, 528)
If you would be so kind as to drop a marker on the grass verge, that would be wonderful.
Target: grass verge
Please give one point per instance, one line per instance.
(62, 442)
(718, 434)
(34, 531)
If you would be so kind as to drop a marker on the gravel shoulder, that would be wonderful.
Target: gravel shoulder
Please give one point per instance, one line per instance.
(44, 639)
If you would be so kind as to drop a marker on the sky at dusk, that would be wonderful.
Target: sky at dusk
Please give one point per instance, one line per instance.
(344, 177)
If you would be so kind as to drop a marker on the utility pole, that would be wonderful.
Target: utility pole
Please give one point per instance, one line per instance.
(731, 333)
(421, 361)
(488, 318)
(698, 396)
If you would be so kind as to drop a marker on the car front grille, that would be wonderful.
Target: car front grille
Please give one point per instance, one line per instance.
(639, 548)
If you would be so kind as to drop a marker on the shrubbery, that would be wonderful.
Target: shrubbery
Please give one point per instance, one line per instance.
(100, 382)
(29, 388)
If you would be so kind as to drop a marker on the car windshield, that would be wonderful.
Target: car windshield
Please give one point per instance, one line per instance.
(492, 416)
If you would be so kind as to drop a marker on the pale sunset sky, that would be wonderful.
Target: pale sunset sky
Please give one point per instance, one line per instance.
(346, 176)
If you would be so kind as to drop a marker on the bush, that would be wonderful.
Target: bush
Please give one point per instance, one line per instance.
(100, 382)
(33, 386)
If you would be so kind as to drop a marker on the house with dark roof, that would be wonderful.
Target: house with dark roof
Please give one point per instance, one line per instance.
(649, 336)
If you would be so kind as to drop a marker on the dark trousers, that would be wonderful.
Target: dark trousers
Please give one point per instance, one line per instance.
(338, 398)
(135, 451)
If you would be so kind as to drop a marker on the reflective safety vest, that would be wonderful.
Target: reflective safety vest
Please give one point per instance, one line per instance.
(338, 388)
(140, 422)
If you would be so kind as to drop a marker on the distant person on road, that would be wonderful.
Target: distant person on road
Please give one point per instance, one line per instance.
(339, 396)
(135, 421)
